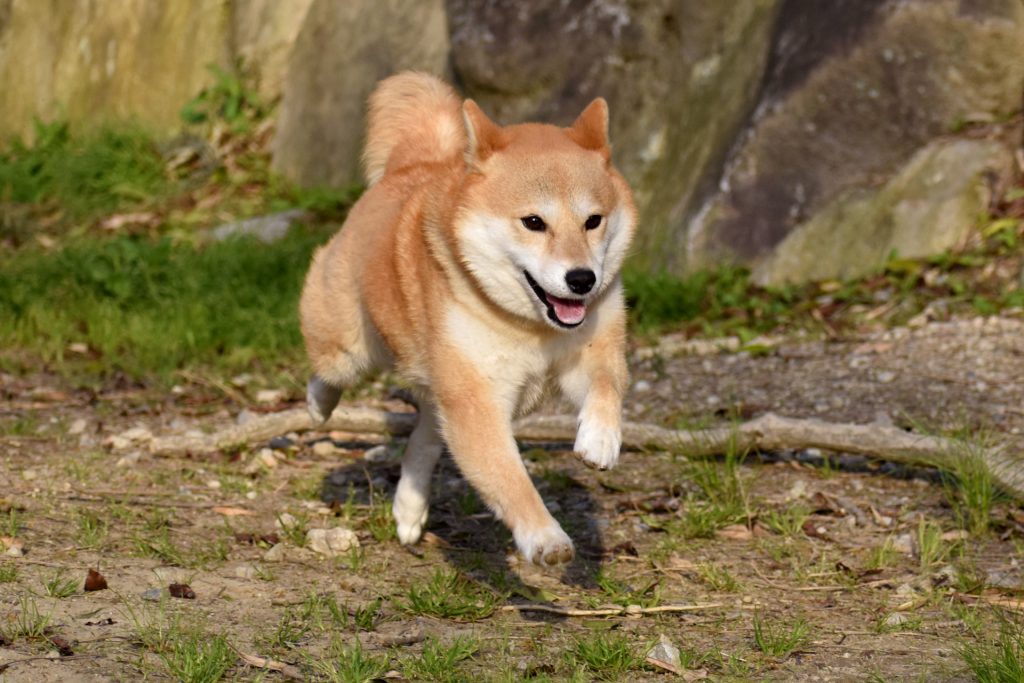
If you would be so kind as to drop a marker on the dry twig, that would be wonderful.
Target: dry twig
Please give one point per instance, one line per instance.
(628, 610)
(766, 433)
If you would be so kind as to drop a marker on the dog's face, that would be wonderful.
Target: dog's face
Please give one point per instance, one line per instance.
(545, 221)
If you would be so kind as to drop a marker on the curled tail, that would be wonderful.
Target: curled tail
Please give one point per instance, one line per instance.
(413, 118)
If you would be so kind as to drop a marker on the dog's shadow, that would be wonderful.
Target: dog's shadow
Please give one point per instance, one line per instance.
(472, 540)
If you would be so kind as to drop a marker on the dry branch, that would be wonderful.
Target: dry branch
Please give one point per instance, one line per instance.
(628, 610)
(769, 432)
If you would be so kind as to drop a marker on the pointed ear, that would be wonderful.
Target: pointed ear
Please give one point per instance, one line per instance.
(485, 137)
(590, 130)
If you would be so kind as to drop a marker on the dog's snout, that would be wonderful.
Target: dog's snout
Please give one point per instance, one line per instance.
(580, 280)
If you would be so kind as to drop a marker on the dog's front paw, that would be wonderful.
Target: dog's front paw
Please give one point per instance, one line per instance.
(547, 546)
(321, 398)
(598, 445)
(410, 509)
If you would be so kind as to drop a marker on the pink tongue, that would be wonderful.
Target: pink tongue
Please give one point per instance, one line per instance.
(569, 311)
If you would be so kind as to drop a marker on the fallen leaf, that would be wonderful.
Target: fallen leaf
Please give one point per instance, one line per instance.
(626, 548)
(810, 529)
(232, 511)
(94, 581)
(181, 590)
(657, 663)
(62, 645)
(270, 539)
(735, 532)
(286, 670)
(120, 220)
(430, 538)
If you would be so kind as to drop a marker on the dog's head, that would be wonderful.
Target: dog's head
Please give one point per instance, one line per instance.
(545, 220)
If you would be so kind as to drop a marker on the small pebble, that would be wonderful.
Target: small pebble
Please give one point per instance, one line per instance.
(153, 594)
(281, 443)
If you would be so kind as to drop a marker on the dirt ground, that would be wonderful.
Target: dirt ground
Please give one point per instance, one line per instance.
(831, 545)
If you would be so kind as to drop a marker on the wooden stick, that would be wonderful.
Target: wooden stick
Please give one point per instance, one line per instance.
(768, 432)
(628, 610)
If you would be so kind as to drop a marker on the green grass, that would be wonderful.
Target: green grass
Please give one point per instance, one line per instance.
(779, 639)
(8, 572)
(11, 523)
(789, 521)
(439, 662)
(351, 665)
(91, 529)
(195, 656)
(59, 586)
(973, 494)
(26, 622)
(188, 650)
(145, 306)
(605, 656)
(931, 549)
(718, 578)
(996, 661)
(114, 167)
(449, 595)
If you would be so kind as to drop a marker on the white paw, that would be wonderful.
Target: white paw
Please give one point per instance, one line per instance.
(598, 445)
(321, 398)
(547, 546)
(410, 510)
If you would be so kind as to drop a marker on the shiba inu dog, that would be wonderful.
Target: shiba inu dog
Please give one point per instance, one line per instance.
(482, 263)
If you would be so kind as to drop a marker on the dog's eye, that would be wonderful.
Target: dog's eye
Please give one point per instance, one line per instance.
(592, 222)
(535, 223)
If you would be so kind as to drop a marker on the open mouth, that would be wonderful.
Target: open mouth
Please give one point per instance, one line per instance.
(566, 313)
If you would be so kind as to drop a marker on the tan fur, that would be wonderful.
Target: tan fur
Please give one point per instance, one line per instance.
(428, 275)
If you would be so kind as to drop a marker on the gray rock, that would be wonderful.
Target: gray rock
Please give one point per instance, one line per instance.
(281, 443)
(825, 153)
(930, 205)
(278, 553)
(341, 52)
(154, 594)
(268, 229)
(665, 651)
(331, 542)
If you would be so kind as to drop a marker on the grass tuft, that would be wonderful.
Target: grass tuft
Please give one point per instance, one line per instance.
(606, 656)
(439, 662)
(450, 595)
(152, 307)
(351, 665)
(779, 639)
(998, 661)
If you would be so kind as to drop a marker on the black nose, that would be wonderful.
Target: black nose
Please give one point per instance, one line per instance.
(580, 280)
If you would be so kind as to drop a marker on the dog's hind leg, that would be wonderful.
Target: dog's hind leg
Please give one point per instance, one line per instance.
(413, 495)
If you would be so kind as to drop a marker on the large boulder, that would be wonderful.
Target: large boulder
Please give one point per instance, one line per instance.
(263, 33)
(681, 78)
(834, 145)
(95, 60)
(930, 205)
(343, 49)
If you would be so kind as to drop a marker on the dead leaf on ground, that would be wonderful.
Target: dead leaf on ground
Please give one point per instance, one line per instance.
(62, 645)
(122, 220)
(814, 531)
(430, 538)
(94, 581)
(270, 539)
(228, 511)
(735, 532)
(181, 590)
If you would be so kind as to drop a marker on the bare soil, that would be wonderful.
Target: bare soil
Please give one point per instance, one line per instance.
(208, 521)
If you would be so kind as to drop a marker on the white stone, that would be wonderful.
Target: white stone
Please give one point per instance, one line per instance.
(331, 542)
